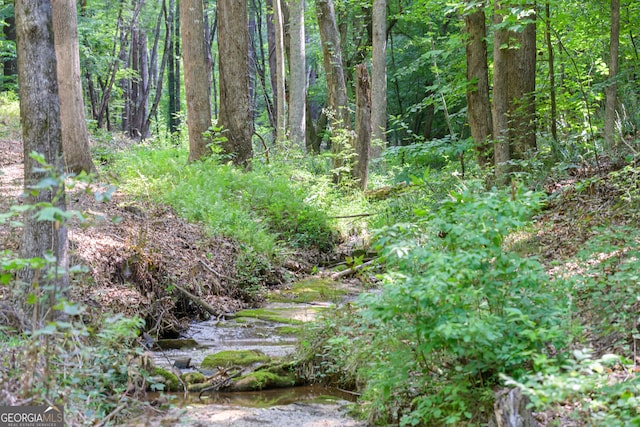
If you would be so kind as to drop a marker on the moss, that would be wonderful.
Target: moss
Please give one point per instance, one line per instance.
(291, 316)
(260, 380)
(290, 330)
(309, 290)
(193, 378)
(171, 380)
(171, 344)
(234, 357)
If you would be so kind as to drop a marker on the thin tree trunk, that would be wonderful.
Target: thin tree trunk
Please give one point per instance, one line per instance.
(297, 75)
(271, 43)
(553, 119)
(10, 64)
(479, 106)
(612, 88)
(281, 115)
(196, 80)
(166, 54)
(338, 101)
(75, 137)
(379, 77)
(360, 170)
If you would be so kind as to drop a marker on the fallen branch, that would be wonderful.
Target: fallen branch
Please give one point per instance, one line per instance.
(352, 270)
(219, 275)
(202, 303)
(362, 215)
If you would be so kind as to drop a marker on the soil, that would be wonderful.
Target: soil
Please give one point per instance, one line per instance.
(135, 252)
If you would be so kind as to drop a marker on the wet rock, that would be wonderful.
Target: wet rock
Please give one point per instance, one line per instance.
(174, 344)
(234, 357)
(182, 362)
(169, 379)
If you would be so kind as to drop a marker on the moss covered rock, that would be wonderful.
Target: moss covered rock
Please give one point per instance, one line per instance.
(260, 380)
(169, 379)
(193, 378)
(234, 357)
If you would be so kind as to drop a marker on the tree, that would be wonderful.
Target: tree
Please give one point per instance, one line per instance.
(41, 133)
(379, 73)
(75, 137)
(514, 75)
(478, 103)
(196, 78)
(281, 122)
(612, 87)
(235, 109)
(336, 85)
(9, 62)
(173, 75)
(297, 75)
(360, 171)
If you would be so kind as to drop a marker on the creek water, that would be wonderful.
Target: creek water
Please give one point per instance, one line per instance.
(269, 332)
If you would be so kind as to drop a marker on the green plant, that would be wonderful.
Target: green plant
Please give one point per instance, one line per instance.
(593, 391)
(456, 310)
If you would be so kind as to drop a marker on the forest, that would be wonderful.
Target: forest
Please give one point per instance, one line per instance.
(321, 212)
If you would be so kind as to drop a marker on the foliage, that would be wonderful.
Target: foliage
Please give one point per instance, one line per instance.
(456, 309)
(53, 357)
(581, 388)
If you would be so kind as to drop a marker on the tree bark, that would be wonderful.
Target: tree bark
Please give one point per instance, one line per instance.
(41, 133)
(553, 113)
(379, 77)
(173, 77)
(360, 170)
(612, 87)
(196, 80)
(479, 106)
(281, 115)
(235, 109)
(297, 75)
(10, 64)
(75, 137)
(336, 85)
(514, 66)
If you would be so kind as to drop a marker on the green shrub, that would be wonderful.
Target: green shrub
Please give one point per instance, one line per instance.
(456, 310)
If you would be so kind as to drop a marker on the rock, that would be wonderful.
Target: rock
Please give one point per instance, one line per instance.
(510, 410)
(182, 362)
(169, 379)
(175, 344)
(234, 357)
(193, 378)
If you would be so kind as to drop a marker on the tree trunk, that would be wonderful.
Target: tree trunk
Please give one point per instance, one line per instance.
(360, 170)
(281, 115)
(479, 106)
(196, 80)
(41, 133)
(553, 119)
(514, 66)
(235, 109)
(379, 77)
(336, 85)
(75, 137)
(612, 88)
(10, 64)
(173, 77)
(297, 75)
(271, 43)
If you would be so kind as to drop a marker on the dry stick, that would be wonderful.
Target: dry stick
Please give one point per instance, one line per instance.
(362, 215)
(202, 303)
(353, 270)
(220, 275)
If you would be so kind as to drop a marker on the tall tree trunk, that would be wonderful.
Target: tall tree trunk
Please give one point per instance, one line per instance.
(271, 43)
(360, 169)
(336, 85)
(235, 109)
(479, 106)
(553, 119)
(612, 88)
(173, 78)
(196, 80)
(10, 64)
(281, 115)
(514, 66)
(75, 137)
(41, 132)
(297, 75)
(379, 77)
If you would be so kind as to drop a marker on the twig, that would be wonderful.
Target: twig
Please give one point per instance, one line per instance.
(353, 270)
(220, 275)
(362, 215)
(113, 413)
(348, 391)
